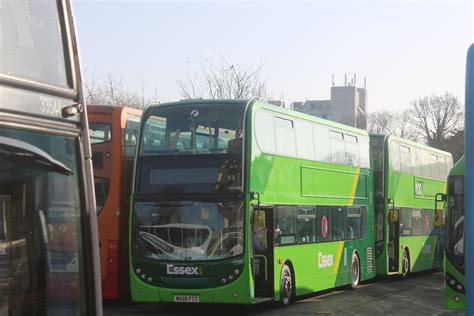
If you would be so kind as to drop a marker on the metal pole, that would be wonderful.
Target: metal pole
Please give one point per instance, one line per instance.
(469, 182)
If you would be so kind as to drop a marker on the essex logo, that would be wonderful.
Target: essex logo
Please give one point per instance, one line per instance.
(181, 270)
(325, 261)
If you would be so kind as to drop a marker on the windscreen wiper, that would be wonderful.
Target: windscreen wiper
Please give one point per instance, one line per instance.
(20, 151)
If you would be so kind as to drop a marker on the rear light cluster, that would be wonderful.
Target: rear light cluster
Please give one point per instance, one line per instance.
(111, 284)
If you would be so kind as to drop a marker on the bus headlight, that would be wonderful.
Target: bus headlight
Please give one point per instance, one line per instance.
(236, 271)
(224, 280)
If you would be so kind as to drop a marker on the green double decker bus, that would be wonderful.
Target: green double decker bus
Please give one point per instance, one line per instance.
(407, 177)
(245, 202)
(454, 271)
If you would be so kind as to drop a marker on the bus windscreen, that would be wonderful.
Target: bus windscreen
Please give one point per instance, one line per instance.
(31, 42)
(193, 130)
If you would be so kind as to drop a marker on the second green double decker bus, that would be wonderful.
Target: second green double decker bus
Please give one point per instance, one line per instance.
(244, 202)
(407, 177)
(454, 271)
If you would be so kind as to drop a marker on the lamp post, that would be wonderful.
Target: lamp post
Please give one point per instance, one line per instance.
(469, 182)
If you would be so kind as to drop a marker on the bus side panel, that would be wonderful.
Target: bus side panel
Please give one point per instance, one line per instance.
(285, 181)
(424, 245)
(413, 198)
(423, 252)
(109, 216)
(321, 266)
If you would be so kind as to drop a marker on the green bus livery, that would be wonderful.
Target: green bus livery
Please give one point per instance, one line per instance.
(454, 285)
(245, 202)
(407, 177)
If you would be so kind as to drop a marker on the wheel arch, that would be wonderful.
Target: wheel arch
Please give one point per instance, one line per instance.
(356, 252)
(408, 254)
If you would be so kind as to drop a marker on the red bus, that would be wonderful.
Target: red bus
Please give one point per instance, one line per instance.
(113, 133)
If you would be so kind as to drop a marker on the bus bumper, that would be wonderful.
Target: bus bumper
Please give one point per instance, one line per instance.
(239, 291)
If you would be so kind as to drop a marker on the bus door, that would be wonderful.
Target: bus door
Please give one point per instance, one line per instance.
(262, 256)
(393, 238)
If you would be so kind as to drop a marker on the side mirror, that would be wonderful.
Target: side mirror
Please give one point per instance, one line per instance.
(393, 215)
(259, 218)
(440, 197)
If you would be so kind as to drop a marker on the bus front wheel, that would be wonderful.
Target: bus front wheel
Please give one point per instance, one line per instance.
(405, 262)
(355, 271)
(286, 286)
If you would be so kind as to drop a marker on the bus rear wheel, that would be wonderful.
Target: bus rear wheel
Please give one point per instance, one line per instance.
(286, 286)
(355, 271)
(405, 263)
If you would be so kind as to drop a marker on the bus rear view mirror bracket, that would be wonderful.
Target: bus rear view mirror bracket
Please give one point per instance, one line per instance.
(438, 216)
(440, 197)
(254, 195)
(392, 213)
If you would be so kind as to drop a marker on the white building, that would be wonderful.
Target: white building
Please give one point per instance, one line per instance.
(348, 105)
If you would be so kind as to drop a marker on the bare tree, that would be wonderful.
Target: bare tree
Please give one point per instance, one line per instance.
(380, 122)
(437, 117)
(221, 79)
(404, 127)
(111, 91)
(455, 144)
(392, 123)
(91, 88)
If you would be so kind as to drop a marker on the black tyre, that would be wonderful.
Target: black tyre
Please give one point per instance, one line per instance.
(405, 263)
(355, 271)
(286, 286)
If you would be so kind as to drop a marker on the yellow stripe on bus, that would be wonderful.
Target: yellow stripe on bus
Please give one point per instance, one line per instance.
(338, 257)
(354, 186)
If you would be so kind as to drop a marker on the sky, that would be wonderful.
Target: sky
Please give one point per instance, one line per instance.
(405, 49)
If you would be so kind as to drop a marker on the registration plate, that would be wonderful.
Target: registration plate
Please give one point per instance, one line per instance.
(186, 298)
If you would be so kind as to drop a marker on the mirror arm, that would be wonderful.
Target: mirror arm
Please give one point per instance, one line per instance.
(252, 196)
(439, 197)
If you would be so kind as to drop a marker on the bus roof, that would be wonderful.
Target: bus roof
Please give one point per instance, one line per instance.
(261, 104)
(197, 102)
(309, 117)
(109, 109)
(458, 168)
(412, 143)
